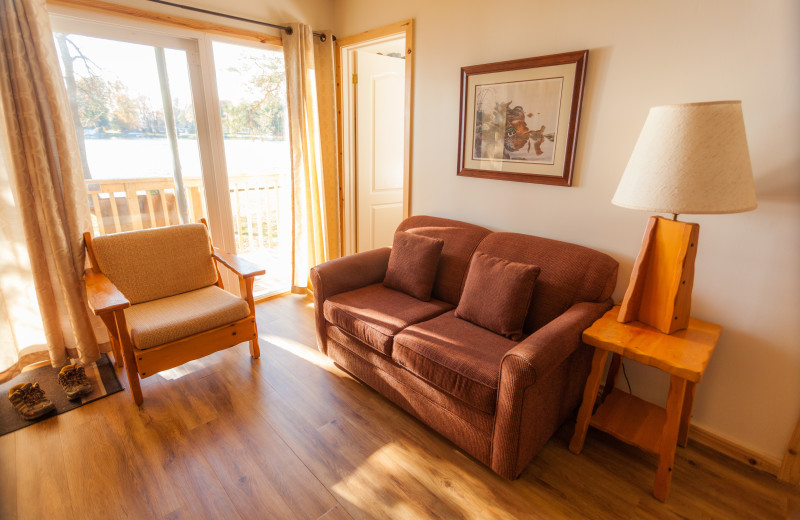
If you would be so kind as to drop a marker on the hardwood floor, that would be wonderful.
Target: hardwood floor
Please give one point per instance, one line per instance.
(292, 436)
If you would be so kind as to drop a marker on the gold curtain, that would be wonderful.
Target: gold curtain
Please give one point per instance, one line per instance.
(311, 97)
(42, 188)
(324, 53)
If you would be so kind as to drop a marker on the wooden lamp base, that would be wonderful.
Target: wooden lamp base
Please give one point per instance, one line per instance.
(660, 291)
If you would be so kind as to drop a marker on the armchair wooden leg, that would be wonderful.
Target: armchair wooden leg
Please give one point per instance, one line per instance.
(255, 352)
(246, 292)
(118, 360)
(133, 380)
(130, 362)
(111, 325)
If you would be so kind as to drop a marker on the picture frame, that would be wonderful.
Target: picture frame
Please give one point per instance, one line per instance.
(519, 119)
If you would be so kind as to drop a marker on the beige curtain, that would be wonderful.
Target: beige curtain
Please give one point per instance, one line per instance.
(311, 96)
(42, 298)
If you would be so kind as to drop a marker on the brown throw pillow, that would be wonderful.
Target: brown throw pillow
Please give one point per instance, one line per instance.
(497, 294)
(413, 263)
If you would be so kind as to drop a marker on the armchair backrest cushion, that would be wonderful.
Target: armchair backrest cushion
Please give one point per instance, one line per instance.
(460, 241)
(156, 263)
(569, 273)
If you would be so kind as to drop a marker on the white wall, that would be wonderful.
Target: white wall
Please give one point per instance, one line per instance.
(642, 54)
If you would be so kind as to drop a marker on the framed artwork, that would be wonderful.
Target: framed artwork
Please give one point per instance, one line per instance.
(519, 119)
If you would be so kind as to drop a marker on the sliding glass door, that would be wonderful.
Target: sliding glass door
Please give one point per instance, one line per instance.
(252, 92)
(134, 116)
(174, 129)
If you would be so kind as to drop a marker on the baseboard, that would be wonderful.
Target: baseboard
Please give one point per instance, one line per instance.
(752, 458)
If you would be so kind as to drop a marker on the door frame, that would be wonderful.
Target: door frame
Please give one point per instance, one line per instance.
(344, 97)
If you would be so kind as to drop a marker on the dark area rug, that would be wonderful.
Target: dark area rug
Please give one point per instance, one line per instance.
(101, 374)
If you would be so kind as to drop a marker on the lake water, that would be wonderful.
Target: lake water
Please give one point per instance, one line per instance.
(131, 158)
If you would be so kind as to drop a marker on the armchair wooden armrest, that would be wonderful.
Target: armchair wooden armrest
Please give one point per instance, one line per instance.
(103, 295)
(237, 264)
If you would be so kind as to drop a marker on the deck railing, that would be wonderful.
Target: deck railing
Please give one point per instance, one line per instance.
(130, 204)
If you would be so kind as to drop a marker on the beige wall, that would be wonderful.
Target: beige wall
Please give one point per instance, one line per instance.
(642, 54)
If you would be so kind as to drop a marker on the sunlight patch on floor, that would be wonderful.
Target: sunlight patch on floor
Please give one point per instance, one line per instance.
(369, 479)
(300, 350)
(186, 369)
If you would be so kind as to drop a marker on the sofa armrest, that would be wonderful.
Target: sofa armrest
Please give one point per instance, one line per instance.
(350, 272)
(531, 390)
(546, 348)
(342, 275)
(102, 295)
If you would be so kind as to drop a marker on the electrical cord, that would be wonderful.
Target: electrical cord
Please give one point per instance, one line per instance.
(624, 373)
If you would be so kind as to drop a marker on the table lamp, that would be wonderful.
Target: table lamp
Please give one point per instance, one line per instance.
(689, 158)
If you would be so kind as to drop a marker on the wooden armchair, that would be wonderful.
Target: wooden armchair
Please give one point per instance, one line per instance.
(160, 295)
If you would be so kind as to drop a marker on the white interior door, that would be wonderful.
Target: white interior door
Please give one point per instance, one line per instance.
(379, 100)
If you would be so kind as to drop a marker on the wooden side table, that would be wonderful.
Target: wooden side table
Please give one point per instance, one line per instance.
(684, 355)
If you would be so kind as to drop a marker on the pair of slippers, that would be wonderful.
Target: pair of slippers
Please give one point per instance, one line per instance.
(30, 401)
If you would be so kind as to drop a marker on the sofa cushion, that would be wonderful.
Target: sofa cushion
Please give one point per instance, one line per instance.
(569, 273)
(460, 240)
(497, 294)
(412, 264)
(374, 314)
(155, 263)
(456, 356)
(156, 322)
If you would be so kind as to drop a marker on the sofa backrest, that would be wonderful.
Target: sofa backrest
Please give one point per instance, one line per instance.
(460, 241)
(569, 273)
(155, 263)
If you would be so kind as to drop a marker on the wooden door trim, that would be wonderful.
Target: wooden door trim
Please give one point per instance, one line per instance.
(405, 28)
(375, 34)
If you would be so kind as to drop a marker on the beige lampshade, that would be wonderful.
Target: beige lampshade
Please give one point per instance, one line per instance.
(690, 158)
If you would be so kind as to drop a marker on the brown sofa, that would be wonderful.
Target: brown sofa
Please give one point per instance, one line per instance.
(499, 400)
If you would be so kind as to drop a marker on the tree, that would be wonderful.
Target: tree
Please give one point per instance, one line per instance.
(67, 60)
(269, 81)
(268, 78)
(93, 98)
(184, 118)
(265, 79)
(275, 122)
(126, 113)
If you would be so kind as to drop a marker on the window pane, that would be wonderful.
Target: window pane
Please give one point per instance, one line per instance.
(252, 95)
(117, 97)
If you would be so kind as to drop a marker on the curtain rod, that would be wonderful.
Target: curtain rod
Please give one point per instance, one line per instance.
(288, 30)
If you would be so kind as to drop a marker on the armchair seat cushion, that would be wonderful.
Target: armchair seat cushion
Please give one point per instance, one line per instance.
(458, 357)
(161, 321)
(374, 314)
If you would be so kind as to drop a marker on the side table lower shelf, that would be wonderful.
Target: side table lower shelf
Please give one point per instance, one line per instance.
(632, 420)
(683, 355)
